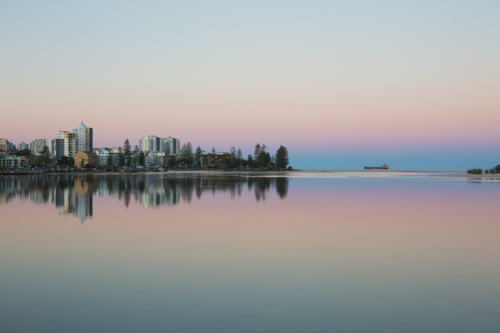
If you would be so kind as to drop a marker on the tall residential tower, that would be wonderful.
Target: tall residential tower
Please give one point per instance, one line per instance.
(150, 144)
(85, 138)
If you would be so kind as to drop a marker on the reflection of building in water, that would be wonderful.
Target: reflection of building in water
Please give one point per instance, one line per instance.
(76, 199)
(83, 199)
(65, 200)
(74, 194)
(157, 194)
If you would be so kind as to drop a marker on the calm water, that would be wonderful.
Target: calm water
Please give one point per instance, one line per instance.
(361, 252)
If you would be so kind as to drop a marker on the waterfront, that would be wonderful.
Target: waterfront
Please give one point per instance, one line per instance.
(349, 252)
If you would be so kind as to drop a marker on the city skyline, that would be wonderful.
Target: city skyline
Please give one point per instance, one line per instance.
(342, 85)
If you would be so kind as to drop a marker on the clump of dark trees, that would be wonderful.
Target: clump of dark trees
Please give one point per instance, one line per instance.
(479, 171)
(261, 158)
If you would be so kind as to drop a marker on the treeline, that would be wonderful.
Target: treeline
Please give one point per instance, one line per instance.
(193, 159)
(127, 157)
(261, 158)
(479, 171)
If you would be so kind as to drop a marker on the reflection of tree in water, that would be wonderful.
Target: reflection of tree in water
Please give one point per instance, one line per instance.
(73, 193)
(282, 187)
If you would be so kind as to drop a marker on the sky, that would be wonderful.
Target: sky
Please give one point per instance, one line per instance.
(414, 84)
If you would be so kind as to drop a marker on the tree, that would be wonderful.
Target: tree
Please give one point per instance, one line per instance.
(198, 156)
(45, 155)
(121, 158)
(135, 155)
(282, 157)
(142, 158)
(256, 152)
(232, 151)
(190, 155)
(239, 156)
(109, 162)
(264, 159)
(172, 161)
(213, 150)
(127, 153)
(282, 186)
(250, 160)
(67, 161)
(187, 154)
(82, 163)
(23, 152)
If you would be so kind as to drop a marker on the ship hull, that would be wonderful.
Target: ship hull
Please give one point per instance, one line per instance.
(376, 168)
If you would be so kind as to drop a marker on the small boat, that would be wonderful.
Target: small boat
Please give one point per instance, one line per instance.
(383, 167)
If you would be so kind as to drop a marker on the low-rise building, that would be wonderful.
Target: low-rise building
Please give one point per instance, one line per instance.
(11, 162)
(156, 159)
(32, 160)
(103, 155)
(207, 160)
(82, 159)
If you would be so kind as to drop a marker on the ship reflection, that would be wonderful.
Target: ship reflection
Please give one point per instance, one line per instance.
(73, 195)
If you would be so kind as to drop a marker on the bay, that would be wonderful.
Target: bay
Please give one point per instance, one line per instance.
(188, 252)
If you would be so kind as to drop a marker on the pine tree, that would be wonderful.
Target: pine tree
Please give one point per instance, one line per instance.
(256, 152)
(213, 150)
(127, 154)
(239, 156)
(198, 156)
(172, 160)
(282, 157)
(109, 162)
(45, 155)
(135, 155)
(121, 158)
(142, 159)
(250, 160)
(190, 155)
(187, 154)
(232, 151)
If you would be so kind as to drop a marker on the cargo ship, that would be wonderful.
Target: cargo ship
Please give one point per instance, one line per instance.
(383, 167)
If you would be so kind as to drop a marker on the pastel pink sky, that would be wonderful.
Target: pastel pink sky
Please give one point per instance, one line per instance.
(320, 75)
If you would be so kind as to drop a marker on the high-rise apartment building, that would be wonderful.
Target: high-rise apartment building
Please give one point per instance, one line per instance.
(85, 138)
(150, 144)
(172, 143)
(22, 146)
(6, 145)
(67, 144)
(36, 146)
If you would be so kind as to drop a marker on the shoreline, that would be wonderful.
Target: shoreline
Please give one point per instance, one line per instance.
(451, 173)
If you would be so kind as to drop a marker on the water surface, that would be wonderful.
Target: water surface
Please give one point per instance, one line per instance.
(303, 253)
